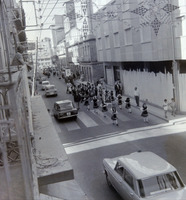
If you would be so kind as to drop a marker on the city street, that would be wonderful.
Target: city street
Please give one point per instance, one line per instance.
(92, 137)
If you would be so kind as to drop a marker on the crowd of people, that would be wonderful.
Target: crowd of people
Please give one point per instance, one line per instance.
(96, 95)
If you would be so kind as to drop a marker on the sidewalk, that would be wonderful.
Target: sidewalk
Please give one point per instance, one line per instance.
(152, 109)
(55, 174)
(159, 112)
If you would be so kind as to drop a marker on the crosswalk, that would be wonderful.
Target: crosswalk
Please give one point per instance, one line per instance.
(91, 119)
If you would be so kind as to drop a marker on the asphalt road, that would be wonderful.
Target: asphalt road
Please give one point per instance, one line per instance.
(91, 138)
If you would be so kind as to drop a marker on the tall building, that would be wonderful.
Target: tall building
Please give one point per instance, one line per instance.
(78, 43)
(16, 158)
(142, 44)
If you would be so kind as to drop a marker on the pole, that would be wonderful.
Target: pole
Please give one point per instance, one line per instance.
(175, 70)
(34, 85)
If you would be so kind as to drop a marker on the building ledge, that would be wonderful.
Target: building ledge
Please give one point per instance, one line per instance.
(51, 159)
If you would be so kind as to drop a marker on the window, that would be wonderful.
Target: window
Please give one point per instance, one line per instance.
(99, 43)
(107, 42)
(116, 39)
(119, 169)
(160, 184)
(145, 34)
(128, 36)
(129, 179)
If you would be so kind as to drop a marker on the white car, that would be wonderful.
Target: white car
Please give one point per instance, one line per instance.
(144, 176)
(50, 90)
(44, 83)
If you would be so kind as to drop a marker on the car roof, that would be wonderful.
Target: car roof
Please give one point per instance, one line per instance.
(45, 82)
(145, 164)
(50, 86)
(63, 101)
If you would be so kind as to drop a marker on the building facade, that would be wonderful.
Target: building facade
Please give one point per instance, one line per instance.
(79, 44)
(142, 44)
(16, 158)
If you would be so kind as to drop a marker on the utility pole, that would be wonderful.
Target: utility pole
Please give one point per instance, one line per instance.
(175, 67)
(34, 85)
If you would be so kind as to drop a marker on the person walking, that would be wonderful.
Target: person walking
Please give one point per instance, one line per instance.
(113, 103)
(114, 117)
(86, 103)
(144, 113)
(172, 105)
(136, 96)
(95, 104)
(104, 109)
(120, 102)
(128, 105)
(165, 107)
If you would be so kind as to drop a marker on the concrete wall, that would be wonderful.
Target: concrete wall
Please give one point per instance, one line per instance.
(182, 91)
(153, 87)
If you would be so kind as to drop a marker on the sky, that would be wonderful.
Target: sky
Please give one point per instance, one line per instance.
(44, 12)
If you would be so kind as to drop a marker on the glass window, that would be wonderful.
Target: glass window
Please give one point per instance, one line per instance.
(67, 105)
(145, 33)
(129, 179)
(159, 184)
(119, 169)
(116, 39)
(107, 42)
(128, 36)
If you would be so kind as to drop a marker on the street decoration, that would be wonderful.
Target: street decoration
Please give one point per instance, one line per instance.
(154, 13)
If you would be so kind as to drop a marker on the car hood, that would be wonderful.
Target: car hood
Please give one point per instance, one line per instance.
(170, 195)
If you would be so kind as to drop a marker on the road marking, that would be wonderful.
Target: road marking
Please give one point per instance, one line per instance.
(135, 134)
(72, 125)
(121, 116)
(86, 120)
(100, 115)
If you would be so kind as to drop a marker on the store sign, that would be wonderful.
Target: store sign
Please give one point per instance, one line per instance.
(67, 72)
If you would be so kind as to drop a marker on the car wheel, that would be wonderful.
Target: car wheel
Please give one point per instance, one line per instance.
(75, 117)
(108, 181)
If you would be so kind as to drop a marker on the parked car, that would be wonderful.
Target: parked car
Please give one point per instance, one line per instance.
(42, 79)
(65, 109)
(50, 90)
(43, 84)
(144, 175)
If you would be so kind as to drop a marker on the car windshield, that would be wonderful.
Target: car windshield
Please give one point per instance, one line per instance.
(45, 83)
(66, 106)
(160, 184)
(50, 87)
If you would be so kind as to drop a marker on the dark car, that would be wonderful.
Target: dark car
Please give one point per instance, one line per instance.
(65, 109)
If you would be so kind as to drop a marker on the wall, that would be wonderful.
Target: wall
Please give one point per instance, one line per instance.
(152, 86)
(182, 90)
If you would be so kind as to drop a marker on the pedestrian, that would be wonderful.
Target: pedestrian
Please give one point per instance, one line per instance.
(113, 103)
(104, 109)
(120, 102)
(172, 105)
(144, 113)
(128, 105)
(136, 96)
(69, 88)
(86, 103)
(114, 117)
(77, 99)
(165, 107)
(95, 104)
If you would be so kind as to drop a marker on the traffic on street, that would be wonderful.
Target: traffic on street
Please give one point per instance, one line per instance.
(92, 137)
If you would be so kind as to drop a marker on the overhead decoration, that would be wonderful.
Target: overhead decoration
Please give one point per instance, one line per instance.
(154, 13)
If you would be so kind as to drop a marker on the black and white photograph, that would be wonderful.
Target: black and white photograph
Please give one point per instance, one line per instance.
(92, 99)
